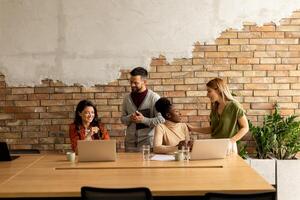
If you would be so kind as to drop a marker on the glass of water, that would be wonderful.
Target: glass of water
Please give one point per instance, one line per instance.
(146, 152)
(186, 153)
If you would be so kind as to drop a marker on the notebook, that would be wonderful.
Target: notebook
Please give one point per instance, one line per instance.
(96, 150)
(209, 149)
(4, 153)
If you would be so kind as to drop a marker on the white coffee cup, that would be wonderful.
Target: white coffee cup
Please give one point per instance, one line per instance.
(71, 156)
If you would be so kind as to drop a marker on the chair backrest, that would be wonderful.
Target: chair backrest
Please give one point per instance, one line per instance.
(260, 196)
(24, 151)
(92, 193)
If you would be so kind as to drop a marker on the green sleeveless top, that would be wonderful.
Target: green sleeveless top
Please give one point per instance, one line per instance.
(226, 124)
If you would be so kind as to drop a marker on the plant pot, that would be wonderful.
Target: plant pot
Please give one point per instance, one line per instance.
(288, 179)
(265, 167)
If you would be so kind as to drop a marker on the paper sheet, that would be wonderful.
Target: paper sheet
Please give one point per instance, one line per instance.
(162, 157)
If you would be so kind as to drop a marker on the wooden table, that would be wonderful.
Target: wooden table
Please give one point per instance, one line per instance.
(53, 176)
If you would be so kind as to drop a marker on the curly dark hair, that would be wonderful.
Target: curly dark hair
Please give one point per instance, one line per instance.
(139, 71)
(80, 107)
(163, 105)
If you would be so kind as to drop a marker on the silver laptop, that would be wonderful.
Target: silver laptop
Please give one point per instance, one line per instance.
(96, 150)
(209, 149)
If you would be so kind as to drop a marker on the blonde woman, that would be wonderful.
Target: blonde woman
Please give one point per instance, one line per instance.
(227, 117)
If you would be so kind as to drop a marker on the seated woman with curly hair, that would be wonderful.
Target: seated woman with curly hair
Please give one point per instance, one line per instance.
(171, 135)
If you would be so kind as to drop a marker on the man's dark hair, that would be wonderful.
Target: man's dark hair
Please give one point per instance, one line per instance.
(139, 71)
(163, 105)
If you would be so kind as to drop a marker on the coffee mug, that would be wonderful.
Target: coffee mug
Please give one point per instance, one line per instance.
(71, 156)
(179, 156)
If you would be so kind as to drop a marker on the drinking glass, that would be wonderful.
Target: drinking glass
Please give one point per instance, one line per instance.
(186, 153)
(146, 152)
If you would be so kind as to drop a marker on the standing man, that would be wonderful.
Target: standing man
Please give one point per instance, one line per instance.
(138, 112)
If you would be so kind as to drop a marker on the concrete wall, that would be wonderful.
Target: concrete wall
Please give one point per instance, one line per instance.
(88, 42)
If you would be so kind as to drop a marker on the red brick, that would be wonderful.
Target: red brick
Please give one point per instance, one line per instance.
(262, 41)
(201, 61)
(113, 89)
(22, 90)
(270, 60)
(38, 96)
(182, 74)
(263, 28)
(186, 87)
(272, 34)
(4, 116)
(27, 103)
(176, 81)
(255, 73)
(174, 94)
(164, 88)
(262, 80)
(53, 102)
(262, 106)
(223, 61)
(231, 74)
(247, 60)
(278, 73)
(287, 41)
(198, 54)
(196, 93)
(221, 41)
(228, 35)
(83, 96)
(115, 101)
(46, 90)
(26, 116)
(286, 67)
(169, 68)
(263, 67)
(205, 48)
(206, 74)
(16, 97)
(239, 41)
(288, 28)
(286, 80)
(92, 89)
(216, 54)
(249, 35)
(160, 75)
(240, 54)
(228, 48)
(264, 54)
(182, 61)
(216, 68)
(67, 89)
(241, 67)
(280, 99)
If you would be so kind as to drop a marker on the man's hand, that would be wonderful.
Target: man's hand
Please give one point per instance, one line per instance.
(137, 117)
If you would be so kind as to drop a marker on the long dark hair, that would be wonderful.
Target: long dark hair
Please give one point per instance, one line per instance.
(80, 107)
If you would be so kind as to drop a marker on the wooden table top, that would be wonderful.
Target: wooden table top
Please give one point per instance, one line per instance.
(53, 176)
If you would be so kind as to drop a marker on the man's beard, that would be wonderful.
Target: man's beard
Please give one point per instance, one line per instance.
(136, 89)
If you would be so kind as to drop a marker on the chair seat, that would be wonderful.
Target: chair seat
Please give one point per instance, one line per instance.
(259, 196)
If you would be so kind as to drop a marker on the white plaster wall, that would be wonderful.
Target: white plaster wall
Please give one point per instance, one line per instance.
(88, 41)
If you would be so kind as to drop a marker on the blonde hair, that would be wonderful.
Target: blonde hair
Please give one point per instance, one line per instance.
(221, 87)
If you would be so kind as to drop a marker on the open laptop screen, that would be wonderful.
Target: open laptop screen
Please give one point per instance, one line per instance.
(210, 149)
(96, 150)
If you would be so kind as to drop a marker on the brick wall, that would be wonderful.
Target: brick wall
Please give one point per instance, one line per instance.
(260, 63)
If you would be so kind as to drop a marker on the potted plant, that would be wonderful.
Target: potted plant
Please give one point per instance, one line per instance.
(277, 143)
